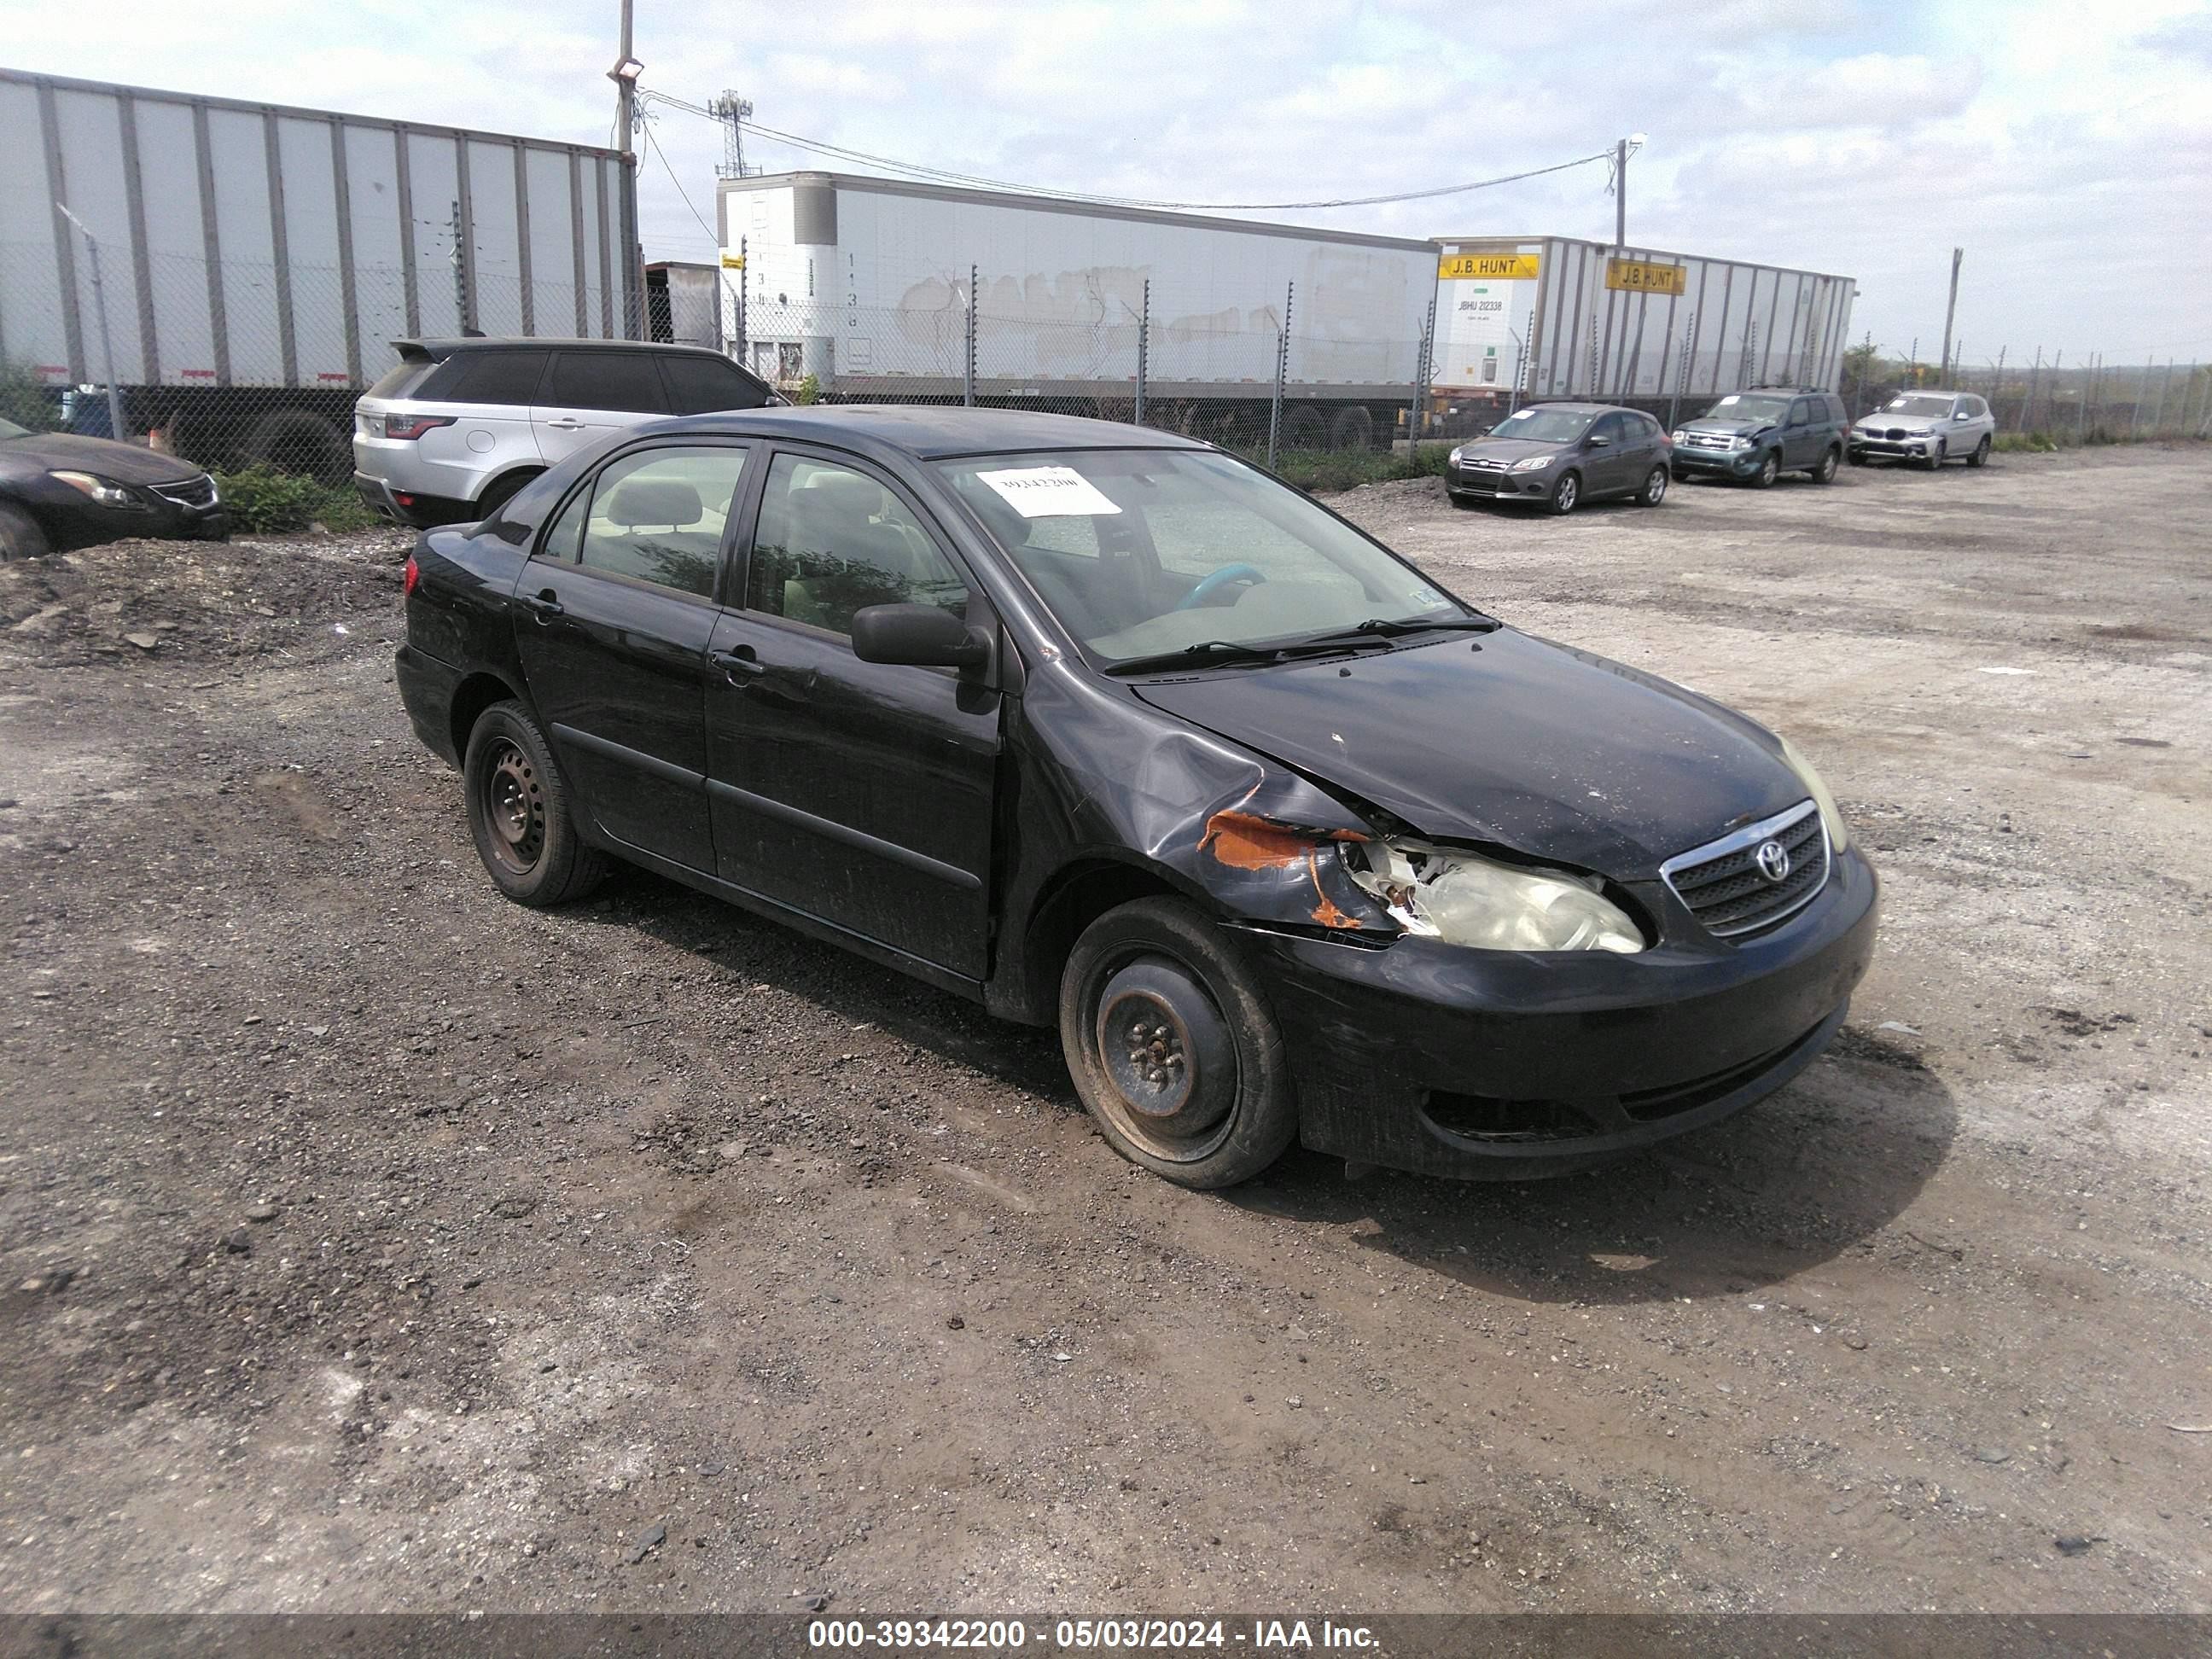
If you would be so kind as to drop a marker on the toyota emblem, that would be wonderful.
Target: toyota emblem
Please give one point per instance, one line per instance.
(1774, 860)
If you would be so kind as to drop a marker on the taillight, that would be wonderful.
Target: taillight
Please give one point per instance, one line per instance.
(414, 575)
(413, 426)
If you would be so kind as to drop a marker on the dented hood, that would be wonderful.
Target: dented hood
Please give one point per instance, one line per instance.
(1521, 743)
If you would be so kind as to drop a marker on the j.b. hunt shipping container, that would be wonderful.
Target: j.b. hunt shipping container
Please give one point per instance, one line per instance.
(864, 284)
(1549, 317)
(258, 260)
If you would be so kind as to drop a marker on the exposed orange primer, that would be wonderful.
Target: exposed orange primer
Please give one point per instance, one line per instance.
(1244, 841)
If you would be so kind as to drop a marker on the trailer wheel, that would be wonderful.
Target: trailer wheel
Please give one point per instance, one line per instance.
(301, 442)
(1304, 428)
(1352, 428)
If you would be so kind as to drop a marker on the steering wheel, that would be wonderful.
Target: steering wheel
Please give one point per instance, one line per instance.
(1214, 580)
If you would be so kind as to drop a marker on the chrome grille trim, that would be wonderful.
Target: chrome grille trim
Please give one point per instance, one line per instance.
(192, 492)
(1695, 869)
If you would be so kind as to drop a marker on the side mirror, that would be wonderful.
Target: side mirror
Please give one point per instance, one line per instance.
(1601, 443)
(919, 635)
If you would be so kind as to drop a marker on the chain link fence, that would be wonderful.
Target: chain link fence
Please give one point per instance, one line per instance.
(2059, 399)
(242, 362)
(1249, 379)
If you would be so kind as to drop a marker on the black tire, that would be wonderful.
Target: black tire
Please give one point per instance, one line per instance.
(519, 812)
(1941, 454)
(1352, 428)
(1655, 488)
(19, 535)
(1204, 1052)
(1566, 494)
(1856, 458)
(300, 441)
(1304, 427)
(500, 492)
(1981, 455)
(1825, 472)
(1770, 469)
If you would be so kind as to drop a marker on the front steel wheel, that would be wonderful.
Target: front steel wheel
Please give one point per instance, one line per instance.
(1567, 494)
(1770, 469)
(1173, 1050)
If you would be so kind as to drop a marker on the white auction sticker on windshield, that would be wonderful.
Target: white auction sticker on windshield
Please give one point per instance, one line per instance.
(1727, 400)
(1049, 492)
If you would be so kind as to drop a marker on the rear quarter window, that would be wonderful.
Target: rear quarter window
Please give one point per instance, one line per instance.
(496, 377)
(401, 377)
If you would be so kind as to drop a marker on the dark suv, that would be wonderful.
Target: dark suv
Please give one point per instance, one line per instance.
(1755, 436)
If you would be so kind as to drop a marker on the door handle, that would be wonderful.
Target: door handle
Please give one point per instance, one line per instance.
(565, 424)
(738, 665)
(546, 605)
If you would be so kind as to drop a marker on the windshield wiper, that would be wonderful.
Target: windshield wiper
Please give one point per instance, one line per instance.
(1204, 651)
(1391, 628)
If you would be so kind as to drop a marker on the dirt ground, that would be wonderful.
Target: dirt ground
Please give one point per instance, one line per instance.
(370, 1243)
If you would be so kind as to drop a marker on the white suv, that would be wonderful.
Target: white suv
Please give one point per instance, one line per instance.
(460, 425)
(1927, 429)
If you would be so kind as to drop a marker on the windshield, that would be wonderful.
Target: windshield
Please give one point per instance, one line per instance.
(1545, 426)
(1147, 551)
(1918, 403)
(1738, 406)
(9, 429)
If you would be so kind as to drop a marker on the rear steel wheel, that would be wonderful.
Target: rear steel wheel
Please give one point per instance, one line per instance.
(1825, 472)
(1981, 455)
(1655, 488)
(518, 812)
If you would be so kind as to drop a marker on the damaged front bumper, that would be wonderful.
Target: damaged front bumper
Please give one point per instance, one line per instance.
(1431, 1057)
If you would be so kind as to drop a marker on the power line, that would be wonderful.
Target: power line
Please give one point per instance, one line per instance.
(944, 176)
(679, 183)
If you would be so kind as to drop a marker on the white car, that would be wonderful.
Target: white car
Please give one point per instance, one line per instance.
(1926, 427)
(460, 425)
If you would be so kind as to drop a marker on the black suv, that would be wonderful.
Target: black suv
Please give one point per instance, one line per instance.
(1756, 436)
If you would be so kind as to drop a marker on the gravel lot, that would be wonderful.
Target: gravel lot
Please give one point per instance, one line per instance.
(370, 1243)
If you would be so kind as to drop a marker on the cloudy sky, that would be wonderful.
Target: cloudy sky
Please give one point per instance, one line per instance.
(2066, 145)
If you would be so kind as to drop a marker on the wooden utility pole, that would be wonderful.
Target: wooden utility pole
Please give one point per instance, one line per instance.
(1951, 309)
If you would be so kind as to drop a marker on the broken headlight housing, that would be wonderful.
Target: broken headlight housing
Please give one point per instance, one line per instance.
(1830, 819)
(1462, 898)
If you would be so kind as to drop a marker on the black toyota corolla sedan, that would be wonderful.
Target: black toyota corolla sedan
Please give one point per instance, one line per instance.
(1105, 728)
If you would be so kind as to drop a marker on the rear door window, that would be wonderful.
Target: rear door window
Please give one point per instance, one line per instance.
(701, 385)
(625, 380)
(498, 377)
(658, 515)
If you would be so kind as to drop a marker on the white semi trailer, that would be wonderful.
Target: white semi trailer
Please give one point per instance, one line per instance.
(256, 261)
(865, 285)
(1539, 317)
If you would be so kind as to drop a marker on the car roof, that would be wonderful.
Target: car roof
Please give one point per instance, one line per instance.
(929, 432)
(1584, 409)
(437, 350)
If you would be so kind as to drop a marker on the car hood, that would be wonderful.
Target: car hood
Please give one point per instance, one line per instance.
(1729, 428)
(1508, 450)
(1519, 743)
(1903, 422)
(124, 462)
